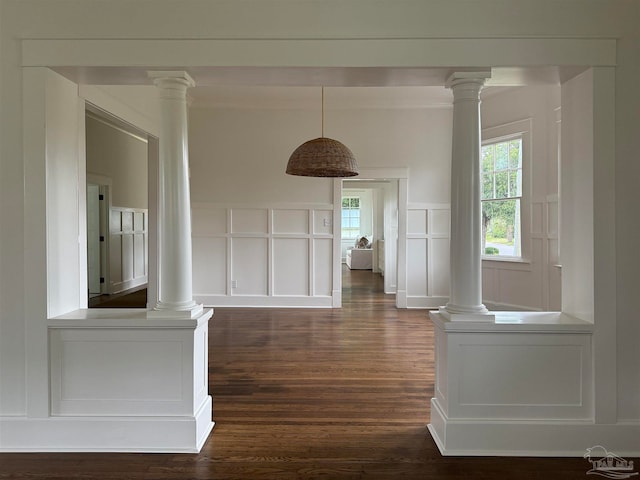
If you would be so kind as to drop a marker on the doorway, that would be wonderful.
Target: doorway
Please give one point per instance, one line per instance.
(382, 198)
(117, 207)
(97, 236)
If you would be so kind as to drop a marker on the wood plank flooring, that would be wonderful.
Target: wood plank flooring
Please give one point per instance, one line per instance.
(308, 394)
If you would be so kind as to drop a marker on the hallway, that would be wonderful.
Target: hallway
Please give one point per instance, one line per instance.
(311, 393)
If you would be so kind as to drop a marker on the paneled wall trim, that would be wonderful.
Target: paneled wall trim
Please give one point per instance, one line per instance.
(128, 241)
(256, 255)
(427, 255)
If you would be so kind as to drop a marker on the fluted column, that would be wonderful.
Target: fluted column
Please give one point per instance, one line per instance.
(175, 296)
(465, 296)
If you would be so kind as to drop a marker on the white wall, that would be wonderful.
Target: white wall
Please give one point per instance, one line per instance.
(627, 266)
(577, 184)
(122, 158)
(238, 157)
(65, 195)
(532, 284)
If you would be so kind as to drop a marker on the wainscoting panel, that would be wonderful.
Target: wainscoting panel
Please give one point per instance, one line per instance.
(104, 372)
(507, 386)
(417, 221)
(249, 268)
(209, 221)
(209, 265)
(427, 255)
(322, 222)
(417, 277)
(249, 220)
(290, 266)
(439, 273)
(279, 255)
(291, 221)
(322, 272)
(128, 255)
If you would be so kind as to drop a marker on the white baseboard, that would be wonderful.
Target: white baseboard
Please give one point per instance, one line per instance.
(498, 306)
(264, 301)
(117, 287)
(401, 298)
(529, 438)
(180, 434)
(426, 302)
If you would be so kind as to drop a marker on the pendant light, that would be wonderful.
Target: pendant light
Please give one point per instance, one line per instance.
(322, 157)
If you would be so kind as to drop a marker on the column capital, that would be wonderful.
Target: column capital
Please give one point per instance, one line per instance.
(162, 78)
(467, 77)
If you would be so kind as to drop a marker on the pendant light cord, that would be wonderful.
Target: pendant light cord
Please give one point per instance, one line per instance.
(322, 111)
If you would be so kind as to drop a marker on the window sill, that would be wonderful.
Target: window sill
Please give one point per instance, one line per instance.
(504, 259)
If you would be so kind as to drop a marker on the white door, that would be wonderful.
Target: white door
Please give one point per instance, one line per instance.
(93, 239)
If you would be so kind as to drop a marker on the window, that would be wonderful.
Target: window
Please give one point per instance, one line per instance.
(501, 165)
(350, 217)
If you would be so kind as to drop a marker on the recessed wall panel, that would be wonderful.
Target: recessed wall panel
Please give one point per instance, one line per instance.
(209, 221)
(290, 266)
(139, 255)
(127, 222)
(323, 222)
(417, 222)
(552, 218)
(120, 372)
(291, 221)
(249, 266)
(322, 266)
(127, 257)
(439, 222)
(209, 266)
(536, 218)
(439, 259)
(82, 364)
(138, 221)
(417, 267)
(493, 375)
(115, 258)
(115, 221)
(249, 220)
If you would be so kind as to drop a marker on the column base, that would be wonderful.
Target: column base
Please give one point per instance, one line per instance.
(454, 314)
(130, 434)
(164, 310)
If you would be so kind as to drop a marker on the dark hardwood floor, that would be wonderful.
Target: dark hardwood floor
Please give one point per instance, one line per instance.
(307, 394)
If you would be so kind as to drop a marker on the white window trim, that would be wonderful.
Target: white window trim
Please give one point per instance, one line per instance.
(351, 195)
(522, 129)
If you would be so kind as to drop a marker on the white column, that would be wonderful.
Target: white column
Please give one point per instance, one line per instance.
(175, 297)
(465, 300)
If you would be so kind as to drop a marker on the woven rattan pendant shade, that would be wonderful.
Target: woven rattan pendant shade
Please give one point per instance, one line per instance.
(322, 157)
